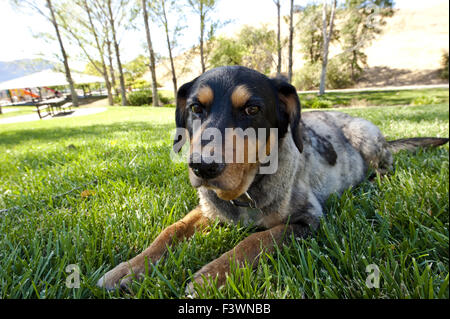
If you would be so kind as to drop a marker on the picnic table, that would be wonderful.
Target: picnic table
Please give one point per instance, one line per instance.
(52, 106)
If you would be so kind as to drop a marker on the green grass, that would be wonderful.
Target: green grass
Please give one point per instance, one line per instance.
(399, 222)
(378, 98)
(20, 110)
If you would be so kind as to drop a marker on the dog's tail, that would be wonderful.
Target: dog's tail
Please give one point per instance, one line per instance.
(412, 144)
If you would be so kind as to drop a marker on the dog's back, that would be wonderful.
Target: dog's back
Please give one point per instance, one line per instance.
(358, 144)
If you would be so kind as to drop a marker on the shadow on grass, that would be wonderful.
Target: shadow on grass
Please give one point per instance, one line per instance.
(59, 134)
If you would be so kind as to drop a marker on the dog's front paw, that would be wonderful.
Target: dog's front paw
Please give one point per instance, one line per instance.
(121, 276)
(201, 281)
(207, 276)
(198, 280)
(190, 291)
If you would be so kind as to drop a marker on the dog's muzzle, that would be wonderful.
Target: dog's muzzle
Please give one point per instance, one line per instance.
(205, 168)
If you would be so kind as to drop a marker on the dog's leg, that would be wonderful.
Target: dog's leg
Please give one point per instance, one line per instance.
(123, 274)
(249, 250)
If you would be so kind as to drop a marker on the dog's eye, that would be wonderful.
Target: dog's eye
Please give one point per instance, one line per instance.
(252, 110)
(196, 108)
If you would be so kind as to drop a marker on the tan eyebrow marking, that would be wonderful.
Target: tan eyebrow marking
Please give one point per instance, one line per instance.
(205, 95)
(240, 96)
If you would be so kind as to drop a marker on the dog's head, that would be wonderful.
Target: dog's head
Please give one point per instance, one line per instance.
(230, 99)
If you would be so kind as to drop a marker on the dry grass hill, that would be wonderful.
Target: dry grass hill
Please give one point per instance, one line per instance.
(408, 52)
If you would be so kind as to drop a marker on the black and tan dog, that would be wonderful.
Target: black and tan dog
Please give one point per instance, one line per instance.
(319, 153)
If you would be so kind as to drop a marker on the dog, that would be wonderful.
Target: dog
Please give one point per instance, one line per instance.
(319, 154)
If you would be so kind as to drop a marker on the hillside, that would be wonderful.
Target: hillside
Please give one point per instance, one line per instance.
(410, 49)
(408, 52)
(14, 69)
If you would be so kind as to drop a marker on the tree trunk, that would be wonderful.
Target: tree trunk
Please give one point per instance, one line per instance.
(291, 36)
(108, 85)
(102, 70)
(101, 54)
(353, 65)
(111, 67)
(65, 60)
(152, 55)
(277, 3)
(172, 65)
(119, 63)
(202, 34)
(174, 77)
(326, 42)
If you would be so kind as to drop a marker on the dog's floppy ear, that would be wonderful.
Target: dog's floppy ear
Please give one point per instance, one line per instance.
(181, 114)
(290, 109)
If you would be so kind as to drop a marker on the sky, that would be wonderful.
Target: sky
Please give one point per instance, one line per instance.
(17, 29)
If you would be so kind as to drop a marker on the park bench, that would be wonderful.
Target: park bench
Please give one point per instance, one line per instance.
(53, 107)
(44, 110)
(66, 106)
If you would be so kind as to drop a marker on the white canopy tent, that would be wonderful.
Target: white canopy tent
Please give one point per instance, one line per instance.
(48, 78)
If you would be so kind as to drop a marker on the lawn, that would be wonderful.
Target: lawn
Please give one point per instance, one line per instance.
(380, 98)
(17, 110)
(94, 191)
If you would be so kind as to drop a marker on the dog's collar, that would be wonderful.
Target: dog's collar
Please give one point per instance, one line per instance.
(247, 201)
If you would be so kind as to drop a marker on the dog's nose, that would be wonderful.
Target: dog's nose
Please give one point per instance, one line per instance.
(206, 168)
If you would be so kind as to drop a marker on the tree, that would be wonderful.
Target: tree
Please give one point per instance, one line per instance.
(73, 93)
(310, 38)
(93, 68)
(89, 24)
(363, 20)
(102, 17)
(326, 34)
(110, 60)
(152, 64)
(81, 37)
(82, 25)
(260, 46)
(227, 52)
(318, 32)
(202, 8)
(112, 23)
(444, 64)
(100, 48)
(160, 10)
(34, 5)
(253, 47)
(278, 5)
(291, 44)
(135, 69)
